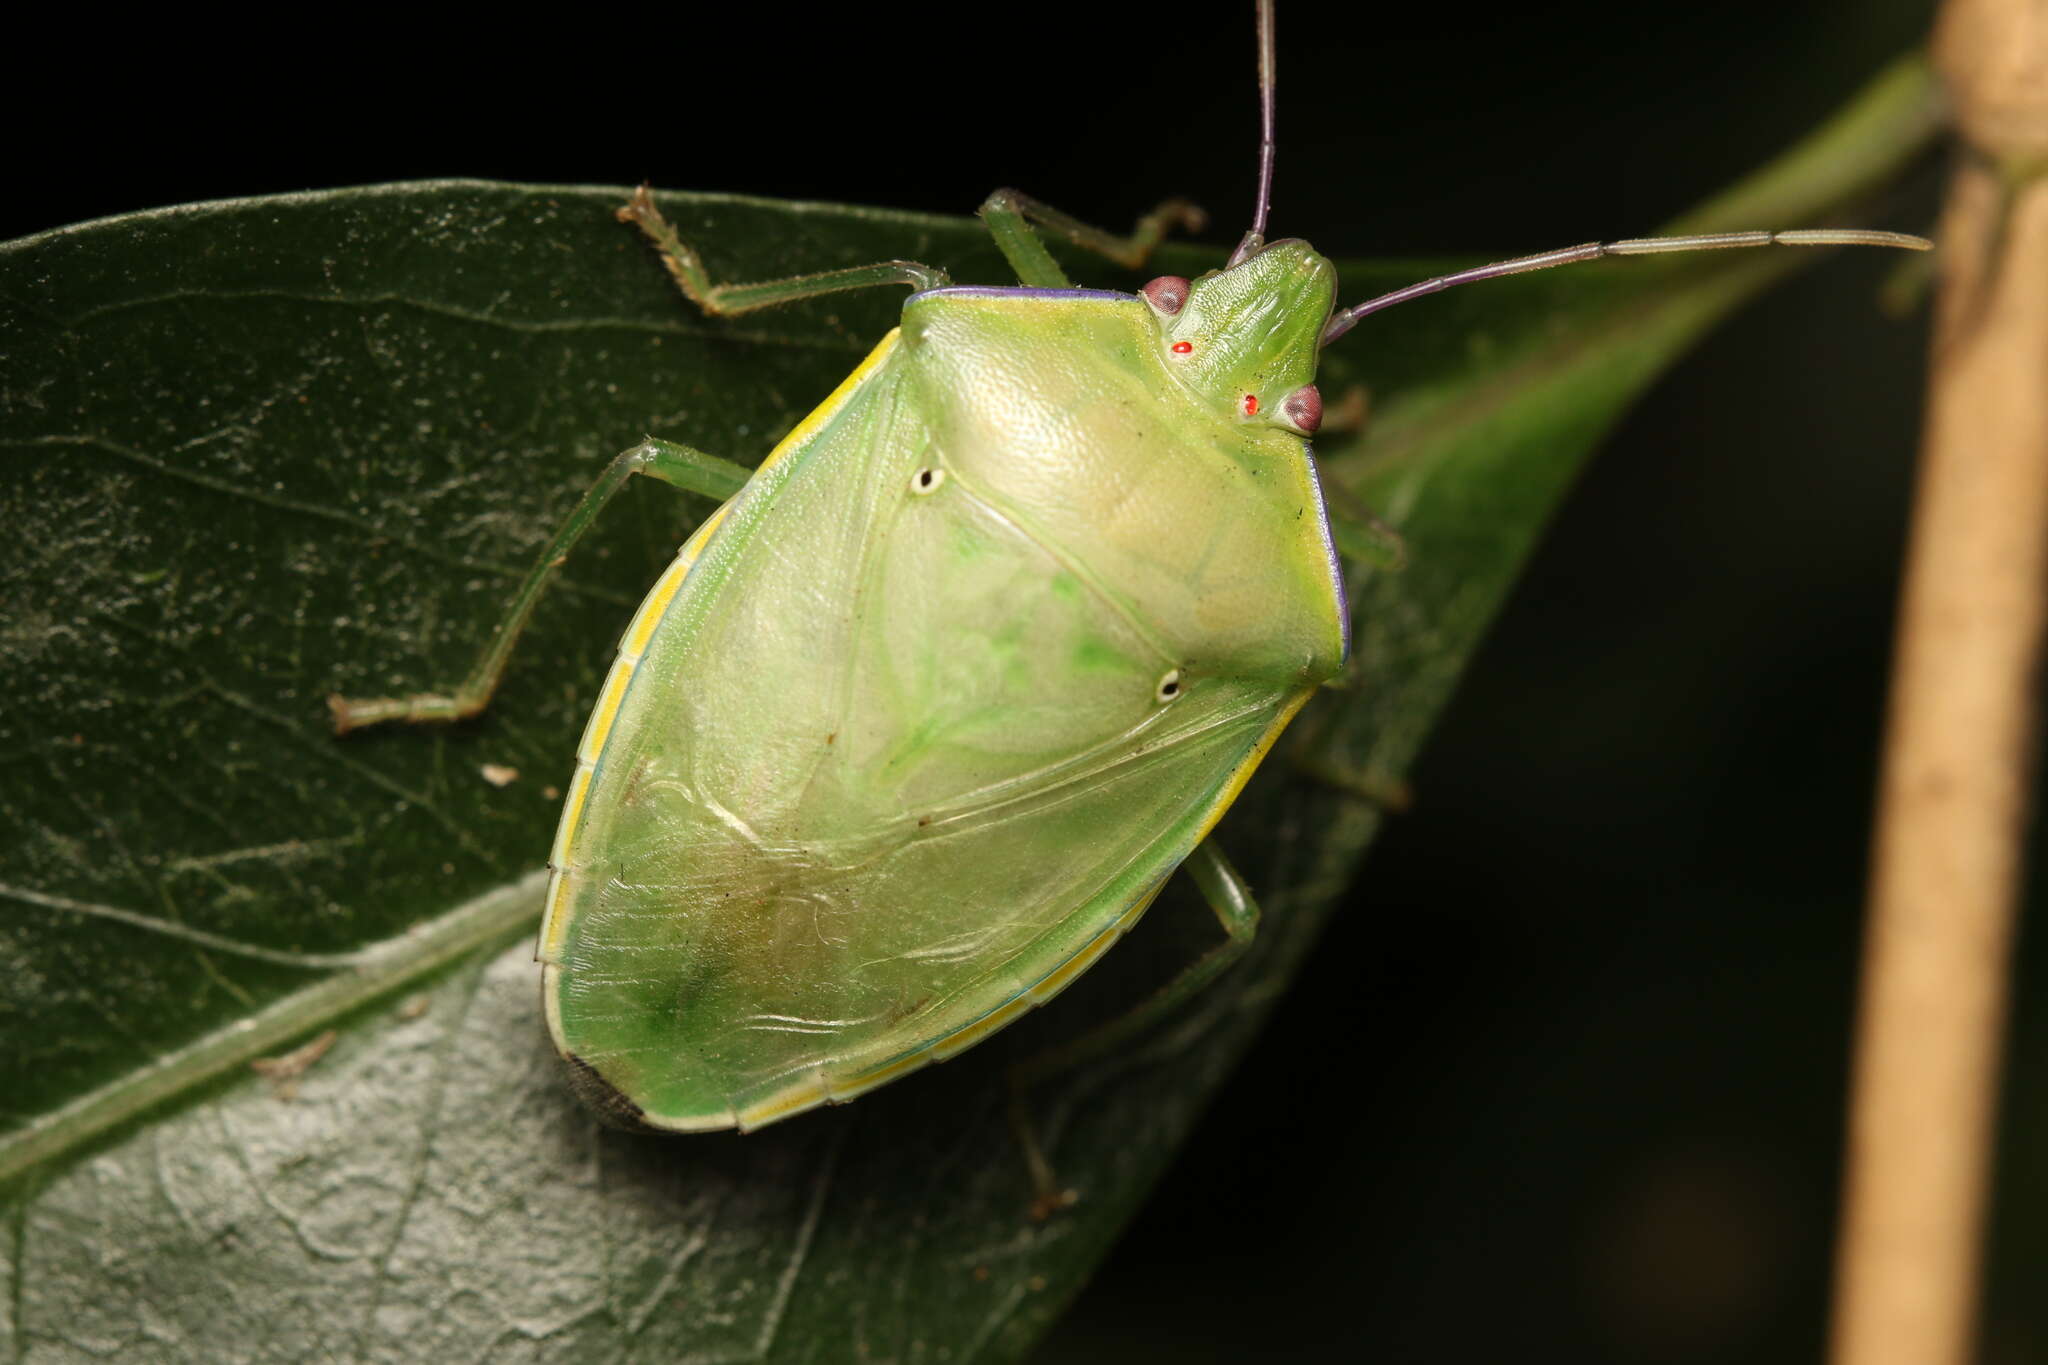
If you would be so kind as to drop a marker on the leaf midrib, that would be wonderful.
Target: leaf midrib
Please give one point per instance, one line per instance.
(488, 923)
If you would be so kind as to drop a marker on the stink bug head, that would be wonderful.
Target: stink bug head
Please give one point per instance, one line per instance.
(1247, 337)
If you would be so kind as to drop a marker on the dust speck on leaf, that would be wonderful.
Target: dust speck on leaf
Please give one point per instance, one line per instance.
(285, 1070)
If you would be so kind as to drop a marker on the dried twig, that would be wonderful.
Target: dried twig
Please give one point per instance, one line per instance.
(1958, 765)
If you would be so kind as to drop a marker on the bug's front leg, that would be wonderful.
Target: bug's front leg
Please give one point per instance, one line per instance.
(1010, 213)
(686, 468)
(725, 300)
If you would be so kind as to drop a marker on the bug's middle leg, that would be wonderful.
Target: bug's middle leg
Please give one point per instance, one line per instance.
(1010, 213)
(683, 466)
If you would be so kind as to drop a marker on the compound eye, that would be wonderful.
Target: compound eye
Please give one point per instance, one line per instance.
(1168, 295)
(1303, 409)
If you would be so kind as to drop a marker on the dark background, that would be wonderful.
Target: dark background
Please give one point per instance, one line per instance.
(1566, 1082)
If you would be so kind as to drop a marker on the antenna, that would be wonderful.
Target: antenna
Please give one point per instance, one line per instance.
(1344, 320)
(1256, 238)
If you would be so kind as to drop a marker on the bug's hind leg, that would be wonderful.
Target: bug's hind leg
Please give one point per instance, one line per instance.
(1232, 902)
(1391, 794)
(724, 300)
(1010, 213)
(689, 469)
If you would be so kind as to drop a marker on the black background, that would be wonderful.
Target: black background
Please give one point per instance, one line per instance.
(1565, 1083)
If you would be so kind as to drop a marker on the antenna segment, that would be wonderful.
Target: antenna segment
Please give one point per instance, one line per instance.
(1344, 320)
(1256, 238)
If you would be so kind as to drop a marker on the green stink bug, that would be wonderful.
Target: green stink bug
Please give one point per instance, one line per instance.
(921, 721)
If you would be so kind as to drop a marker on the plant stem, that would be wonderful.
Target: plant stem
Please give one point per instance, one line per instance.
(1958, 767)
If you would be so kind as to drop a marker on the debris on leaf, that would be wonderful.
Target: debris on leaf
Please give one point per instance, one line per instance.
(285, 1070)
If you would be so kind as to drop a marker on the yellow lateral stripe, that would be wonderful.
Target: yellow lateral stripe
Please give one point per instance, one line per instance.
(649, 615)
(1243, 773)
(606, 711)
(551, 1001)
(825, 411)
(554, 921)
(1080, 962)
(692, 1123)
(572, 812)
(878, 1075)
(955, 1043)
(694, 546)
(1063, 975)
(805, 1094)
(651, 611)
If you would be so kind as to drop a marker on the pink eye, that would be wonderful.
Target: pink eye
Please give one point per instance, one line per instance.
(1251, 405)
(1183, 347)
(1168, 294)
(1303, 409)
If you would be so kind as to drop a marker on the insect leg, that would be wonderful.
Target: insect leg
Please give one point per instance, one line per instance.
(724, 300)
(1010, 213)
(1361, 533)
(1231, 900)
(1390, 794)
(672, 463)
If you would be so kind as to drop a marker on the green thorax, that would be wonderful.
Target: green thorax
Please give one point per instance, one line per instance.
(1074, 414)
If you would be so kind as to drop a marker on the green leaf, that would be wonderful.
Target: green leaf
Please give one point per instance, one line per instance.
(265, 450)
